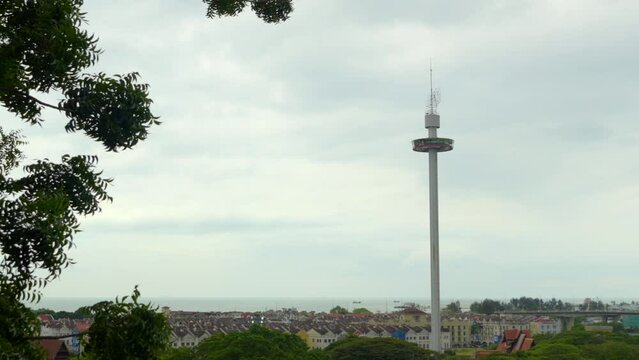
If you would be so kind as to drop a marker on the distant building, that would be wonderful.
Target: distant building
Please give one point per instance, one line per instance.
(491, 329)
(413, 317)
(545, 325)
(55, 349)
(319, 338)
(399, 333)
(62, 327)
(421, 337)
(187, 337)
(512, 341)
(459, 331)
(493, 326)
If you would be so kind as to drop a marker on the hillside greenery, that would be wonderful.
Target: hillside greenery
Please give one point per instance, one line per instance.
(259, 343)
(580, 344)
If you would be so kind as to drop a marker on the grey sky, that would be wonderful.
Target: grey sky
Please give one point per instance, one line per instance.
(283, 166)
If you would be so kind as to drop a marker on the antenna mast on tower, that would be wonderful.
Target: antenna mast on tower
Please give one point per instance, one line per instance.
(434, 94)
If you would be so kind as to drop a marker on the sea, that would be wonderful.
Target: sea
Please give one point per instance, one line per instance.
(253, 304)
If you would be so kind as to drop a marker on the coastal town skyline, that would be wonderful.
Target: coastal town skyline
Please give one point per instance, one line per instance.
(283, 166)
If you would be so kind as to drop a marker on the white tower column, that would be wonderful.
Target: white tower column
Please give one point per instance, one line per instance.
(432, 145)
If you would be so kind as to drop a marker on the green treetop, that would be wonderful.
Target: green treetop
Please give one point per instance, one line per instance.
(338, 310)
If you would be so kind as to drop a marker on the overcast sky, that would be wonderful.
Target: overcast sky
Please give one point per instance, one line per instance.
(284, 167)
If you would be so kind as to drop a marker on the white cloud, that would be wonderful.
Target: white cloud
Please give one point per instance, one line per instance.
(283, 165)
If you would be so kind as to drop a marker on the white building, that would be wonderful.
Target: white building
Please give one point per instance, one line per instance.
(419, 336)
(320, 338)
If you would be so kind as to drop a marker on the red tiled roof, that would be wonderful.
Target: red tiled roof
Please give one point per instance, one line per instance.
(413, 311)
(501, 347)
(45, 317)
(52, 347)
(511, 334)
(527, 344)
(82, 325)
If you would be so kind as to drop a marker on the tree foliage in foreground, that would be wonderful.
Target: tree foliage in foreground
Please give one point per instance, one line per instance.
(45, 51)
(17, 323)
(271, 11)
(258, 343)
(126, 330)
(361, 348)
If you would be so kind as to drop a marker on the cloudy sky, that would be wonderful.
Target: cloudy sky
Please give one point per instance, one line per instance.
(283, 166)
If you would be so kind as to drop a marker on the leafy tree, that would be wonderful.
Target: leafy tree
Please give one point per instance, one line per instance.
(611, 350)
(44, 49)
(487, 306)
(558, 352)
(476, 328)
(580, 344)
(258, 343)
(271, 11)
(360, 348)
(181, 353)
(453, 308)
(126, 330)
(80, 313)
(525, 303)
(362, 311)
(17, 323)
(338, 310)
(38, 218)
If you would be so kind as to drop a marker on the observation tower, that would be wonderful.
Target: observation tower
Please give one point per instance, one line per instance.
(433, 145)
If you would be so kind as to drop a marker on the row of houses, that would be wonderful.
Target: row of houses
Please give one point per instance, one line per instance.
(319, 330)
(491, 328)
(62, 327)
(320, 338)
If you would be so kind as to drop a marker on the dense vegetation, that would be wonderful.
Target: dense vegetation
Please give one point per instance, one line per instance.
(260, 343)
(489, 306)
(80, 313)
(358, 348)
(580, 344)
(343, 311)
(453, 308)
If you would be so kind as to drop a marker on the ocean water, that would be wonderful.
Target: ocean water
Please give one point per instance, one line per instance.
(252, 304)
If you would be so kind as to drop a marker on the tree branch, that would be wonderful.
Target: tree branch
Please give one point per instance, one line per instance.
(25, 93)
(45, 104)
(82, 333)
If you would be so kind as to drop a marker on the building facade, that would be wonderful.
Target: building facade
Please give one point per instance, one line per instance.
(460, 331)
